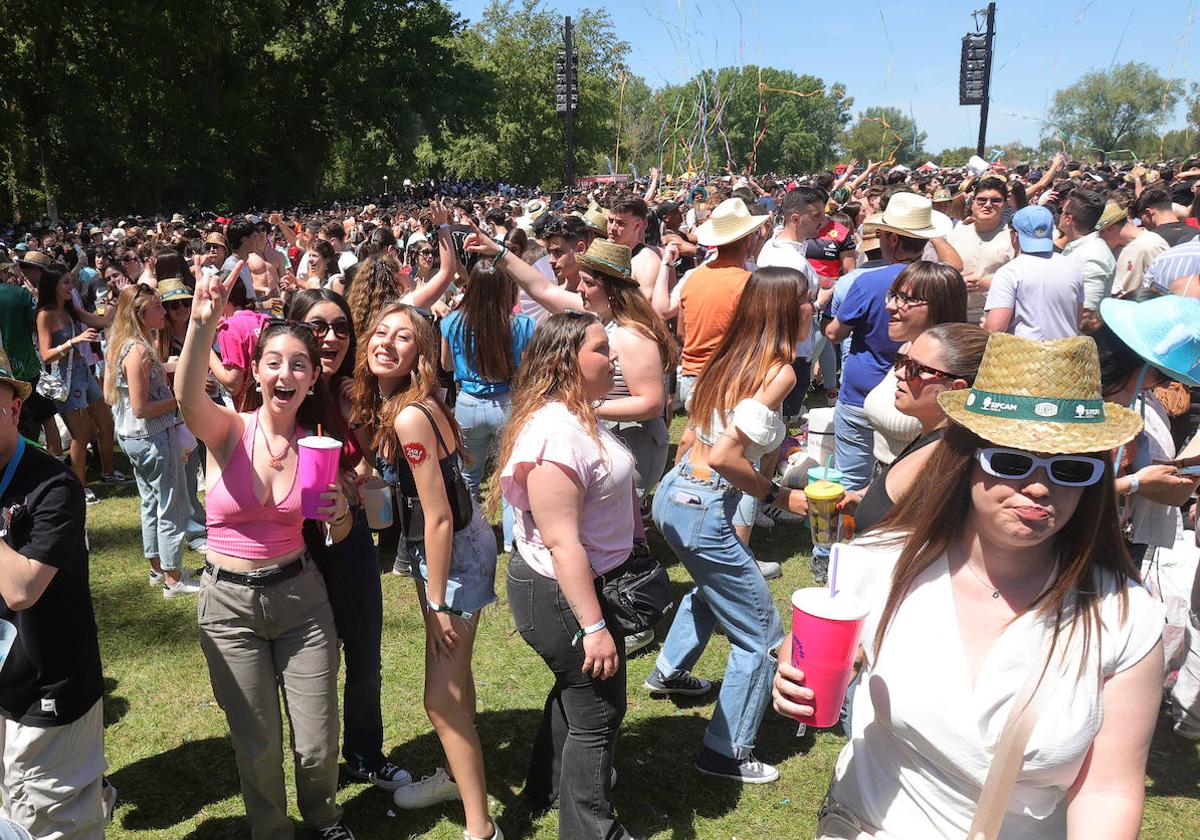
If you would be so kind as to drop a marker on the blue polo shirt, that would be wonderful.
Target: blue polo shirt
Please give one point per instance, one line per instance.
(871, 351)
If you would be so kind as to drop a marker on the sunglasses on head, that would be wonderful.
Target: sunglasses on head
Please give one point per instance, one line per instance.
(284, 323)
(1065, 470)
(912, 368)
(340, 327)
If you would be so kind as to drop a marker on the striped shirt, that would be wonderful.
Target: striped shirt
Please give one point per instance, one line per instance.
(126, 423)
(1173, 264)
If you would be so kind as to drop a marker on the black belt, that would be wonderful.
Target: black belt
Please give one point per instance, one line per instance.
(256, 580)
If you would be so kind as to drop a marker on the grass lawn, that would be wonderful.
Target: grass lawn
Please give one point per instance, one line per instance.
(170, 757)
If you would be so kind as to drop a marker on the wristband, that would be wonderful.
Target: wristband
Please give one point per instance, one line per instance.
(499, 254)
(772, 494)
(444, 226)
(1134, 484)
(587, 631)
(442, 608)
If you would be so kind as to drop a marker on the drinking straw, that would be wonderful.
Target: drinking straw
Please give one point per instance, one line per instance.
(319, 430)
(833, 568)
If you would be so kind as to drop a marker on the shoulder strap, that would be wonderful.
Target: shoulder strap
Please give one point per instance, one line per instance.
(1010, 748)
(436, 431)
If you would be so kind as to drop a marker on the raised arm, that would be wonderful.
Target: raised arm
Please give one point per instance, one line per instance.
(553, 298)
(214, 424)
(660, 298)
(653, 188)
(431, 292)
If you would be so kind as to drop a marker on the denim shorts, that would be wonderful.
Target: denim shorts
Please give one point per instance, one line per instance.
(471, 585)
(84, 391)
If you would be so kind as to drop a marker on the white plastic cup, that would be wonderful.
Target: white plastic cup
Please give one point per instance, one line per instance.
(377, 502)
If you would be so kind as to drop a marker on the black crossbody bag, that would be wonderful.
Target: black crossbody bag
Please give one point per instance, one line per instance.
(638, 592)
(462, 507)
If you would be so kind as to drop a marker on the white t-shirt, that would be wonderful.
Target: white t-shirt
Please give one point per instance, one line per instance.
(346, 259)
(791, 255)
(1044, 293)
(981, 254)
(1154, 524)
(1134, 259)
(527, 305)
(247, 278)
(1096, 262)
(605, 471)
(923, 738)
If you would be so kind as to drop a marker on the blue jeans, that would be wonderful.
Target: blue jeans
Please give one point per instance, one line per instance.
(696, 519)
(351, 572)
(158, 470)
(854, 445)
(482, 421)
(196, 530)
(683, 389)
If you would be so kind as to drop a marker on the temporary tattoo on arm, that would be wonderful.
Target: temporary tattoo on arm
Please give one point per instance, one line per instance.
(415, 453)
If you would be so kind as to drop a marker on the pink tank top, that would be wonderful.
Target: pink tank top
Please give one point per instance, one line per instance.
(239, 525)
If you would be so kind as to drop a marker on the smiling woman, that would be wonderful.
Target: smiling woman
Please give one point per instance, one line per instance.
(999, 574)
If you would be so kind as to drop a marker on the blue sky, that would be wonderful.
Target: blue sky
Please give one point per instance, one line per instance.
(901, 53)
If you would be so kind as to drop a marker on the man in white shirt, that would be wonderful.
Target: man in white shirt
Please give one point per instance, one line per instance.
(1133, 248)
(1039, 294)
(985, 244)
(803, 211)
(1077, 222)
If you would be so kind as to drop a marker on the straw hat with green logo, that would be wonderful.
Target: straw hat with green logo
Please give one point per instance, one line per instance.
(608, 258)
(1041, 396)
(21, 387)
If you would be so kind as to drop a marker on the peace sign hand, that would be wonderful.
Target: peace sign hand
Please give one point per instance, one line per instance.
(212, 293)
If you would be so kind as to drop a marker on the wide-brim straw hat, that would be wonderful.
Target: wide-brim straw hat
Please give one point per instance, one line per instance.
(21, 387)
(729, 221)
(36, 259)
(909, 214)
(596, 220)
(1164, 331)
(610, 259)
(1041, 396)
(216, 238)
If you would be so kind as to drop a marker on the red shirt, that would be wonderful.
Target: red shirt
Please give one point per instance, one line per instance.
(825, 250)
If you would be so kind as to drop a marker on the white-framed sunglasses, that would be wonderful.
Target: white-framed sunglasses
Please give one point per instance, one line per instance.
(1066, 470)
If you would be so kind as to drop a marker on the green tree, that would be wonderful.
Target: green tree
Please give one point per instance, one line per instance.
(957, 156)
(885, 134)
(1115, 110)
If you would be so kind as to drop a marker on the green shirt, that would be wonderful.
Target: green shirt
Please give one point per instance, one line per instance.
(17, 328)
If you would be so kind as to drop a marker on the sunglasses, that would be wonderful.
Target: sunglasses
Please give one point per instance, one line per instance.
(428, 252)
(284, 323)
(903, 300)
(340, 327)
(212, 246)
(1064, 470)
(912, 368)
(185, 303)
(996, 201)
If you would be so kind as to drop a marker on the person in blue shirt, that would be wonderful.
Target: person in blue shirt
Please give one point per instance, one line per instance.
(482, 342)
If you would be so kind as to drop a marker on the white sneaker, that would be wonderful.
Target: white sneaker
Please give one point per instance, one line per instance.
(429, 791)
(156, 578)
(497, 834)
(186, 586)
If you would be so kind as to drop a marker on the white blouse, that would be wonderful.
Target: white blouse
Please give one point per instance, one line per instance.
(894, 429)
(761, 424)
(922, 738)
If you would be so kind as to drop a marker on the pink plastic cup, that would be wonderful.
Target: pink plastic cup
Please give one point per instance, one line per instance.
(318, 469)
(825, 634)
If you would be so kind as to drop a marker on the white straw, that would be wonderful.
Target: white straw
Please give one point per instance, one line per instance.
(833, 568)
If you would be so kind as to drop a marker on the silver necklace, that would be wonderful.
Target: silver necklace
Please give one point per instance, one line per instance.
(981, 579)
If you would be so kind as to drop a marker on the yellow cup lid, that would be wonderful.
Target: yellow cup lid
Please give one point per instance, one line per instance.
(824, 490)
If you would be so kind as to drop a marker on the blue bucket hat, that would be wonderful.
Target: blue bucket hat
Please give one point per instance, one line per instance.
(1165, 331)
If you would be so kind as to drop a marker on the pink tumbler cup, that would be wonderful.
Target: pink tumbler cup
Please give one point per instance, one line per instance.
(318, 469)
(825, 633)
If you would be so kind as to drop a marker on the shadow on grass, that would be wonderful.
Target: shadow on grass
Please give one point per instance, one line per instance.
(1174, 766)
(115, 707)
(173, 786)
(138, 618)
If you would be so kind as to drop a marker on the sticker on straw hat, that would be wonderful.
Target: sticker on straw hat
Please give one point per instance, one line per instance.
(1017, 407)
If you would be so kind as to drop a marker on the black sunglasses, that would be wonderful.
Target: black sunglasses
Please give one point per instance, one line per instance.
(912, 368)
(212, 246)
(284, 323)
(341, 328)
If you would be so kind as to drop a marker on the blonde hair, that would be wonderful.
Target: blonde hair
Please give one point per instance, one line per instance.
(128, 326)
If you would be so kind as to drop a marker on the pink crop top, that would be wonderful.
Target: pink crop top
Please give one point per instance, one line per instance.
(239, 525)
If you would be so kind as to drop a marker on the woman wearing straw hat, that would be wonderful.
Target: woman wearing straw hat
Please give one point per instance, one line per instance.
(1000, 597)
(640, 340)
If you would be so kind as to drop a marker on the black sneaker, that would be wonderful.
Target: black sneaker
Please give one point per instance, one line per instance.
(748, 770)
(684, 684)
(333, 832)
(388, 777)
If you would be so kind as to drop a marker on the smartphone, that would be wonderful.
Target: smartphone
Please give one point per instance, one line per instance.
(1190, 471)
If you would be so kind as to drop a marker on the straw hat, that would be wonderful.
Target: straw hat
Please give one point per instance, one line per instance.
(36, 259)
(21, 387)
(1113, 213)
(596, 220)
(729, 222)
(909, 214)
(608, 258)
(1041, 396)
(1165, 331)
(941, 195)
(216, 238)
(173, 288)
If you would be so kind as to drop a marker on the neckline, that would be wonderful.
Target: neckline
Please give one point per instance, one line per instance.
(269, 486)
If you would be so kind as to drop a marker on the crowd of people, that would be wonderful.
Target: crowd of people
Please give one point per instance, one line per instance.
(1012, 355)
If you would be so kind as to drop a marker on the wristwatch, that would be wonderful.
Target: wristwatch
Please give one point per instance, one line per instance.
(772, 494)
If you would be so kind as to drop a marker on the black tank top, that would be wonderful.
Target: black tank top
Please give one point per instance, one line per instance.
(876, 503)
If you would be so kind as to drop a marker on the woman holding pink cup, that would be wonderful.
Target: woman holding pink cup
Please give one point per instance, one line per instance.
(1012, 663)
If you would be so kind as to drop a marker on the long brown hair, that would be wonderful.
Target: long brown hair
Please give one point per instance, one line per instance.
(485, 327)
(377, 414)
(549, 372)
(931, 515)
(375, 285)
(631, 310)
(763, 334)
